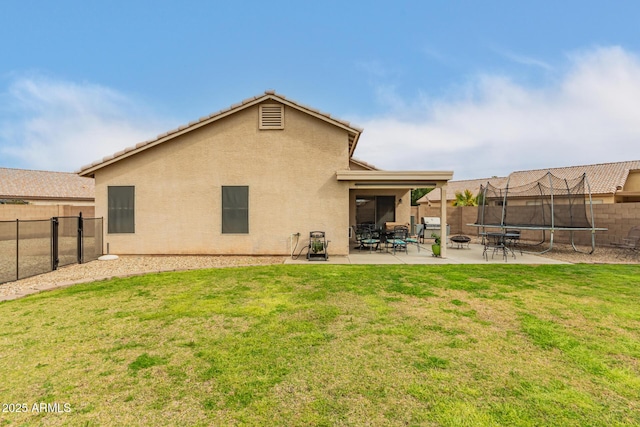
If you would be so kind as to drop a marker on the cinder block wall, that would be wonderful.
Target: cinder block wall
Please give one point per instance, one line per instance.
(28, 212)
(617, 218)
(42, 213)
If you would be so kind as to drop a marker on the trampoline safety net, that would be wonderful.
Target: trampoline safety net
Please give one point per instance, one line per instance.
(549, 202)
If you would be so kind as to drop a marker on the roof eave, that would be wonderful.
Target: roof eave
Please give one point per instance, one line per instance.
(394, 179)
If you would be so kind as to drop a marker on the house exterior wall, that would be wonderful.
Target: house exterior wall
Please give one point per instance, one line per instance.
(290, 174)
(633, 181)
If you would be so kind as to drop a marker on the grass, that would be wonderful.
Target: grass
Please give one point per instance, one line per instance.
(330, 345)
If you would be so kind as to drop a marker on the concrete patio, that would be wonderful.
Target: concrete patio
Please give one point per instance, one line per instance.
(470, 255)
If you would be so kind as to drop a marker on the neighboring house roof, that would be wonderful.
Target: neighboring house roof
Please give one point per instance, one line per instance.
(454, 187)
(603, 178)
(32, 184)
(354, 132)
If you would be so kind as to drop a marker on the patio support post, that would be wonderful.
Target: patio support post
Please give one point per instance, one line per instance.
(443, 221)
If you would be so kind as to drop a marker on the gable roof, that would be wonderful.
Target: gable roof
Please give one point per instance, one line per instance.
(33, 184)
(269, 95)
(604, 178)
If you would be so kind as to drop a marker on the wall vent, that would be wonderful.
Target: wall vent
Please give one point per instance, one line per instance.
(271, 116)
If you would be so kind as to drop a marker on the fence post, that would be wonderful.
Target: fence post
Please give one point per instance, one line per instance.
(54, 243)
(17, 249)
(80, 235)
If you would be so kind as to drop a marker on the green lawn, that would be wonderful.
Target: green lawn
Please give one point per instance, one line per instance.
(450, 345)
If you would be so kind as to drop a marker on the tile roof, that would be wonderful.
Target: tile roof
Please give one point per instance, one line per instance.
(268, 95)
(363, 164)
(33, 184)
(459, 186)
(604, 178)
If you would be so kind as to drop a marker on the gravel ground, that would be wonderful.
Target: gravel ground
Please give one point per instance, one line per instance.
(125, 266)
(134, 265)
(602, 255)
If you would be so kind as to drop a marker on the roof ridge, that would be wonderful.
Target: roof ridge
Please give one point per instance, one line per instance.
(36, 170)
(578, 166)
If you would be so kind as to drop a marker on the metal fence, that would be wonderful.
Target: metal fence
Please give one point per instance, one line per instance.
(32, 247)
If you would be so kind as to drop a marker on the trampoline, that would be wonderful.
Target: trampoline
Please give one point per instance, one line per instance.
(547, 205)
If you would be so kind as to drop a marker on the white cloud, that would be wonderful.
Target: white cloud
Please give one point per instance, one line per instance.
(57, 125)
(588, 114)
(525, 60)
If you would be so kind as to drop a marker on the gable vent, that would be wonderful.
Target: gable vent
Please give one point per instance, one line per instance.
(272, 116)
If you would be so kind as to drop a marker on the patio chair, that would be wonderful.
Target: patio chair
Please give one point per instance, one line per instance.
(512, 240)
(357, 234)
(494, 242)
(413, 240)
(370, 239)
(399, 239)
(629, 245)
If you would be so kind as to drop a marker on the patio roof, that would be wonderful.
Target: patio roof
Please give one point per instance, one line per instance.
(376, 179)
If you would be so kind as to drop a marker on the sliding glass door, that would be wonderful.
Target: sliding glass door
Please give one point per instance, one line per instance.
(375, 210)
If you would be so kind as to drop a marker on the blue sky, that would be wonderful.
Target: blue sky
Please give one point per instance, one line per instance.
(478, 87)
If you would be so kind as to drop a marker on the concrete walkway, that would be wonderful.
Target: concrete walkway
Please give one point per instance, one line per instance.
(471, 255)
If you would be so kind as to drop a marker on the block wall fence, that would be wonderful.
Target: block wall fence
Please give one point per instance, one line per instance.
(618, 218)
(30, 212)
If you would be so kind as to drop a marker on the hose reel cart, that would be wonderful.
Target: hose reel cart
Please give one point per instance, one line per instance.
(317, 246)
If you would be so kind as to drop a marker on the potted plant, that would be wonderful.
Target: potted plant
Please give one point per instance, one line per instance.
(435, 248)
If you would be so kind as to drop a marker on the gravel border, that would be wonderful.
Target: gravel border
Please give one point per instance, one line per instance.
(132, 265)
(125, 266)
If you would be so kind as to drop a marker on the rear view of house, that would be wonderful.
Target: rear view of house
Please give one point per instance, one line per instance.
(251, 179)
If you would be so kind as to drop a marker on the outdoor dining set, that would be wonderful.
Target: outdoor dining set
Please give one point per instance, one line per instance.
(397, 239)
(504, 242)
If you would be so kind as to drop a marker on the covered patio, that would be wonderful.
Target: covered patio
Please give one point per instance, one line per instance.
(378, 197)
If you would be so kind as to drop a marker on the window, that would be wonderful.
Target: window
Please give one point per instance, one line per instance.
(121, 209)
(271, 116)
(235, 209)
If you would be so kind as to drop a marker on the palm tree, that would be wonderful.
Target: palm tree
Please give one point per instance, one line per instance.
(418, 193)
(465, 199)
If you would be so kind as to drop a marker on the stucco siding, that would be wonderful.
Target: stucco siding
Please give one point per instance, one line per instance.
(290, 174)
(633, 181)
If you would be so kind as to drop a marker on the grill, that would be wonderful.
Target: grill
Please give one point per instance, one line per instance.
(431, 222)
(428, 225)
